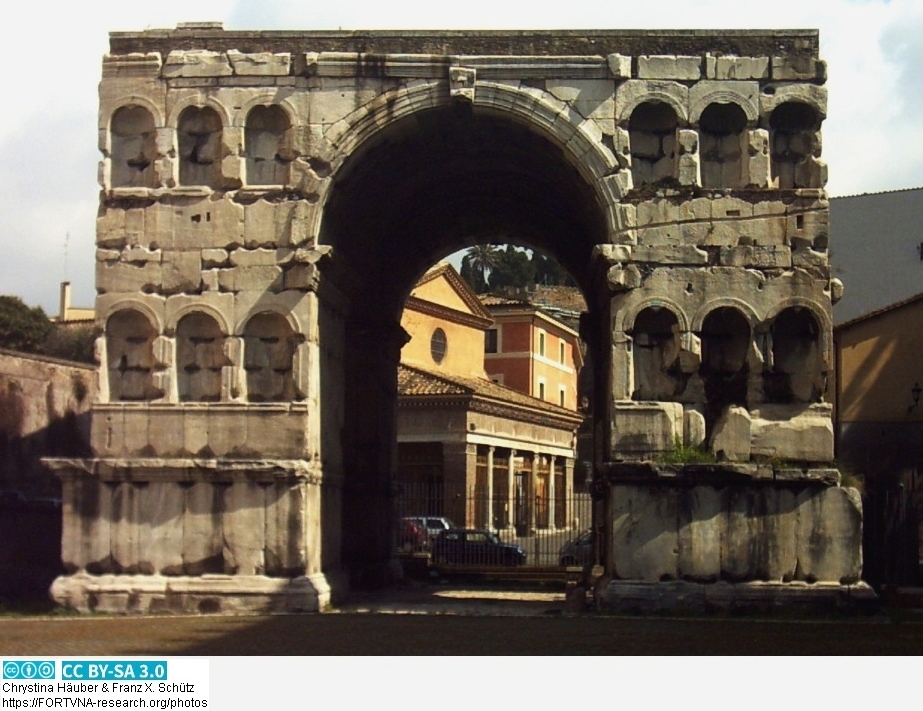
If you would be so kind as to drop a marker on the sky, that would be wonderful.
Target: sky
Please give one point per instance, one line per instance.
(48, 138)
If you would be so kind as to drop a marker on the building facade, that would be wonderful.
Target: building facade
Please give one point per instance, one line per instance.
(480, 453)
(530, 351)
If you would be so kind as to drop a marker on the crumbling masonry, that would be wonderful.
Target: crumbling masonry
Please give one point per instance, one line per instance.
(268, 201)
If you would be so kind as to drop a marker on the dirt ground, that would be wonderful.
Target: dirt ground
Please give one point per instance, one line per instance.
(451, 620)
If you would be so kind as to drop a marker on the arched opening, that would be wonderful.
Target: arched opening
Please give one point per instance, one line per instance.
(265, 137)
(796, 367)
(726, 339)
(199, 144)
(199, 358)
(468, 448)
(422, 188)
(655, 353)
(269, 349)
(133, 148)
(723, 146)
(652, 136)
(130, 355)
(795, 140)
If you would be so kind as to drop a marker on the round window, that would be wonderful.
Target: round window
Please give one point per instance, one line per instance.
(437, 345)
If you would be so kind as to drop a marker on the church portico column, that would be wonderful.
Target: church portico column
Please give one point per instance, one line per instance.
(489, 523)
(510, 492)
(552, 495)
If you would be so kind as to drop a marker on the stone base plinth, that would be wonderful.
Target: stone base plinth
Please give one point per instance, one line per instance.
(752, 597)
(146, 594)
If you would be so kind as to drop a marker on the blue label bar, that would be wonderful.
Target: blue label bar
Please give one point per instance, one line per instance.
(155, 670)
(29, 669)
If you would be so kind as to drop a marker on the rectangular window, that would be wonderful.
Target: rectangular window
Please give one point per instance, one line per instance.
(561, 393)
(490, 340)
(541, 390)
(541, 343)
(561, 351)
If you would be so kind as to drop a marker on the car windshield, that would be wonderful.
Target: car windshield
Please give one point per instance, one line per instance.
(493, 538)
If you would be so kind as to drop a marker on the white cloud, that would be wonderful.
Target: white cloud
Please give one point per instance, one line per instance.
(48, 134)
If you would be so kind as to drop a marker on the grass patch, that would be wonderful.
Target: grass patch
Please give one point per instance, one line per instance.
(681, 454)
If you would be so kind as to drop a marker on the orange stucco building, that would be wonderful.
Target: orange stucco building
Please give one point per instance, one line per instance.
(531, 352)
(478, 451)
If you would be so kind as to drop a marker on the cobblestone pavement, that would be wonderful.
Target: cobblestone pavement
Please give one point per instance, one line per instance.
(447, 620)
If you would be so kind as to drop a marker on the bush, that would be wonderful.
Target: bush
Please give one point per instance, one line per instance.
(72, 343)
(23, 328)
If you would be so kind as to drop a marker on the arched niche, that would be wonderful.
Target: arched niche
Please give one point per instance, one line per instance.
(655, 352)
(652, 138)
(199, 145)
(133, 148)
(267, 158)
(130, 355)
(723, 145)
(796, 369)
(726, 338)
(200, 356)
(794, 137)
(269, 350)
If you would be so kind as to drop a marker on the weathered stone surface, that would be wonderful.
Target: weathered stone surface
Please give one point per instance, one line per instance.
(642, 548)
(829, 544)
(693, 428)
(196, 63)
(730, 438)
(260, 63)
(739, 534)
(793, 432)
(642, 428)
(729, 67)
(619, 66)
(624, 278)
(669, 67)
(757, 256)
(678, 254)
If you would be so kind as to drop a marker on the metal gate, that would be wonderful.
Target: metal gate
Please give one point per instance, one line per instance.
(891, 537)
(470, 530)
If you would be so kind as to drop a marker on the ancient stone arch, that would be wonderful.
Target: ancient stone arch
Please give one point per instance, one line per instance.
(269, 461)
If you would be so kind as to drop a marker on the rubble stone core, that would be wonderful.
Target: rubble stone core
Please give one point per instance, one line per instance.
(268, 201)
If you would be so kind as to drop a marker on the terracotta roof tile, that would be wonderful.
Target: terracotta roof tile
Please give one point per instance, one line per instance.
(416, 381)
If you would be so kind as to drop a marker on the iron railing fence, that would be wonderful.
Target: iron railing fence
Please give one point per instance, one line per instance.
(493, 529)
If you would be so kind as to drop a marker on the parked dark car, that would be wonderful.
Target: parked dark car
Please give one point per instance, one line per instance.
(474, 546)
(578, 551)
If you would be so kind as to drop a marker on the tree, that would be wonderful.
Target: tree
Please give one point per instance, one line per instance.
(74, 342)
(478, 263)
(514, 269)
(23, 328)
(549, 272)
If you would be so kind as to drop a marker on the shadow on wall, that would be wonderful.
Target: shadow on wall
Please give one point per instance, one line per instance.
(44, 412)
(30, 547)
